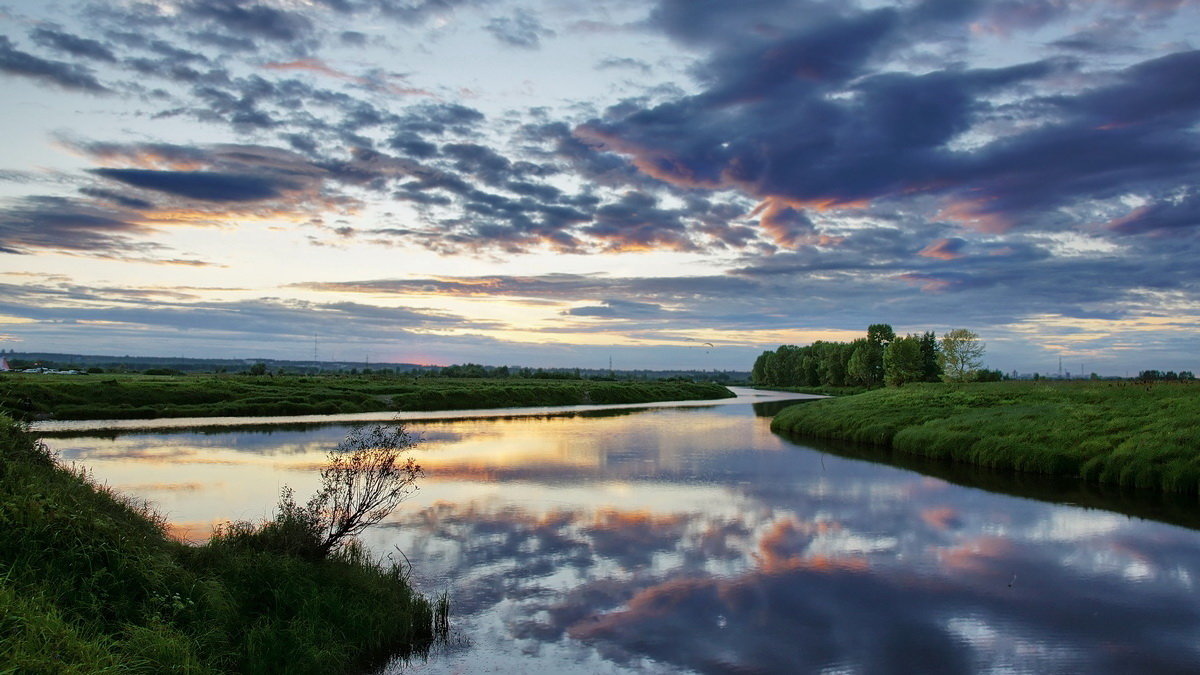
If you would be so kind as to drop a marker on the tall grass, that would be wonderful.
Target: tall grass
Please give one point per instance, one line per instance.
(40, 396)
(89, 582)
(1142, 436)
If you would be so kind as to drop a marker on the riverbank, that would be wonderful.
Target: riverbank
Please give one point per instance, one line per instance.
(90, 582)
(820, 391)
(87, 397)
(1141, 436)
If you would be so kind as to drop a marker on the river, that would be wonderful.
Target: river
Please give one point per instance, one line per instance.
(693, 539)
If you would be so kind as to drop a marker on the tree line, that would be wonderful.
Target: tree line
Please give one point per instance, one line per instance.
(880, 358)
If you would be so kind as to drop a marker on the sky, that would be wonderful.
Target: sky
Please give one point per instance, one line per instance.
(662, 183)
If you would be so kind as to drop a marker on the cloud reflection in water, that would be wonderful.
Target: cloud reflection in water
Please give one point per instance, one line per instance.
(697, 540)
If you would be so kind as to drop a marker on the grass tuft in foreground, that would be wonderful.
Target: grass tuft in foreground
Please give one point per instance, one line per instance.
(1142, 436)
(89, 582)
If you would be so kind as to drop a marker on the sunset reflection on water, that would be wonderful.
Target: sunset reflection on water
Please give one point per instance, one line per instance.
(694, 539)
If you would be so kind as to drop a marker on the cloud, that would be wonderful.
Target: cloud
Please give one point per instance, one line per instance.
(1178, 215)
(204, 185)
(614, 308)
(522, 29)
(122, 311)
(945, 249)
(798, 113)
(73, 44)
(46, 222)
(623, 62)
(116, 198)
(251, 18)
(62, 74)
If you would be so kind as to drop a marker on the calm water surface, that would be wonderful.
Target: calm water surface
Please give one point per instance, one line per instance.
(694, 539)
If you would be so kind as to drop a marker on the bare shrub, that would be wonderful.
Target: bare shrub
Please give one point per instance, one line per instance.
(365, 478)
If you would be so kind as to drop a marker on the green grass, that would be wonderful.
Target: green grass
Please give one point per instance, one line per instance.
(820, 390)
(1140, 436)
(80, 397)
(90, 583)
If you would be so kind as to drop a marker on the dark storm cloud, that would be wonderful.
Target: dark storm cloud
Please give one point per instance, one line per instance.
(208, 186)
(66, 75)
(522, 29)
(73, 44)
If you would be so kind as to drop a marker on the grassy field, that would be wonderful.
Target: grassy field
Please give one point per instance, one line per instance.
(81, 397)
(90, 583)
(1126, 434)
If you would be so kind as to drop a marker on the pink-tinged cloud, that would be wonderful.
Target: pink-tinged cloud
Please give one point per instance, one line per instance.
(321, 68)
(941, 518)
(975, 214)
(788, 224)
(659, 164)
(927, 282)
(311, 65)
(944, 249)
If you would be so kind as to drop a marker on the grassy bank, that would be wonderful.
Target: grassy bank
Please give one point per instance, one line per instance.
(82, 397)
(1142, 436)
(820, 391)
(90, 583)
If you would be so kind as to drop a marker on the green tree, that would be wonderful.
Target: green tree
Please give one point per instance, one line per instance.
(259, 368)
(902, 361)
(879, 336)
(758, 374)
(931, 365)
(962, 354)
(880, 333)
(858, 367)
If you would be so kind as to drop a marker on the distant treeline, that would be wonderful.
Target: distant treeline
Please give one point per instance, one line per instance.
(179, 366)
(1167, 376)
(871, 361)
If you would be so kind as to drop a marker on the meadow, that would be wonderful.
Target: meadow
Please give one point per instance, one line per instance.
(137, 396)
(90, 582)
(1134, 435)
